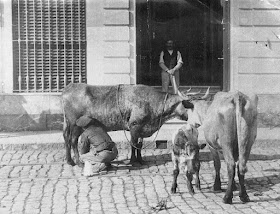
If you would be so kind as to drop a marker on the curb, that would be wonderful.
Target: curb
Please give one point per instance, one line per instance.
(123, 145)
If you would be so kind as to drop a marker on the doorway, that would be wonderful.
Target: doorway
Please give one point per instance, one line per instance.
(198, 29)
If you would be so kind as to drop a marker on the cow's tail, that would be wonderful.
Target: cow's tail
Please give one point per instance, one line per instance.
(241, 133)
(66, 129)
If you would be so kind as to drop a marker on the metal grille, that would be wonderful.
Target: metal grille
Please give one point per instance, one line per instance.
(49, 44)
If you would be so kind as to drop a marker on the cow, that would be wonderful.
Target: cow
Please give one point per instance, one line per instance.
(229, 123)
(185, 155)
(139, 109)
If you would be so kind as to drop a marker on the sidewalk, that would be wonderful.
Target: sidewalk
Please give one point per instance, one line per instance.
(54, 139)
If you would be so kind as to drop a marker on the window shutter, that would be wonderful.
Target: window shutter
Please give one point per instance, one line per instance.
(49, 43)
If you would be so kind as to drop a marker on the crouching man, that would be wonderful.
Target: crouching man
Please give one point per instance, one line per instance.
(185, 155)
(98, 149)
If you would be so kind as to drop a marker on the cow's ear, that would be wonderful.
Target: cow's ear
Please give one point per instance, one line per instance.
(83, 121)
(202, 146)
(187, 104)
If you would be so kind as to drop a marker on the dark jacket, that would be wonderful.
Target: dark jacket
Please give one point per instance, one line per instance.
(170, 60)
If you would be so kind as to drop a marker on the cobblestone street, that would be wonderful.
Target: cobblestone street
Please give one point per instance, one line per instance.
(39, 181)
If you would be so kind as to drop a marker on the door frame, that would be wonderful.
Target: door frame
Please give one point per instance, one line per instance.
(225, 86)
(226, 45)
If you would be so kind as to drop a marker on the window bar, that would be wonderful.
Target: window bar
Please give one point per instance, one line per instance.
(57, 51)
(50, 76)
(72, 45)
(65, 69)
(42, 49)
(79, 24)
(19, 48)
(27, 49)
(34, 39)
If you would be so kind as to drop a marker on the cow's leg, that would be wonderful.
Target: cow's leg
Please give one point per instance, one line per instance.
(231, 173)
(139, 146)
(217, 166)
(242, 191)
(175, 176)
(189, 182)
(134, 141)
(66, 136)
(76, 131)
(197, 181)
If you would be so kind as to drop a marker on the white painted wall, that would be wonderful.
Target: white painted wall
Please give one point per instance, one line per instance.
(111, 42)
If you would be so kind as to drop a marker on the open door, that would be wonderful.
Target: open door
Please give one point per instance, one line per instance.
(196, 26)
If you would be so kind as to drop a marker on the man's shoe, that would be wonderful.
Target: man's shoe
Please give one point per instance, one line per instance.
(98, 167)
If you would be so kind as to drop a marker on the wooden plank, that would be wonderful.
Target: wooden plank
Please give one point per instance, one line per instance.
(259, 4)
(259, 66)
(119, 33)
(259, 83)
(259, 17)
(116, 65)
(110, 4)
(115, 79)
(257, 34)
(116, 17)
(258, 49)
(117, 49)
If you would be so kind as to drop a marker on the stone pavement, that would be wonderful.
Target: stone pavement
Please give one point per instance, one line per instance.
(39, 181)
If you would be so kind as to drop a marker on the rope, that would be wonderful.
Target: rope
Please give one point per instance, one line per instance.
(160, 120)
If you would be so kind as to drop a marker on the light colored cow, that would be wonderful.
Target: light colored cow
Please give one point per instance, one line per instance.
(229, 123)
(185, 155)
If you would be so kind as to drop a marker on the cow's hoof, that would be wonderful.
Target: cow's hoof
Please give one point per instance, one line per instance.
(216, 189)
(80, 164)
(227, 200)
(173, 190)
(244, 198)
(137, 162)
(71, 162)
(191, 192)
(142, 162)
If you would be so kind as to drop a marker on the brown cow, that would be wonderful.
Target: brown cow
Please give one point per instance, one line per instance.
(138, 108)
(229, 123)
(185, 154)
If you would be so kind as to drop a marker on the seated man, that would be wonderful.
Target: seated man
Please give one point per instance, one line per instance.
(98, 149)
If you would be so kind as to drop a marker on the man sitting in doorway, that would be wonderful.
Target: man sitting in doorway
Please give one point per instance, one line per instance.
(98, 149)
(170, 62)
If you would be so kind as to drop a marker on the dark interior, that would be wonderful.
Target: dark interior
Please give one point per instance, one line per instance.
(197, 29)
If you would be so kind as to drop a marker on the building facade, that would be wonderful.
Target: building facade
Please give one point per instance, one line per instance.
(46, 44)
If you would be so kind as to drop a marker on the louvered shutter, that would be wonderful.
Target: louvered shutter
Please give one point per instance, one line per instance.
(49, 44)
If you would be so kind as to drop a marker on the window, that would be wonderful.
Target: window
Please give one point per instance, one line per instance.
(49, 44)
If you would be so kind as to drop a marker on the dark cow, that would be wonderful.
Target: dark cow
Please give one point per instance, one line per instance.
(138, 108)
(229, 123)
(185, 155)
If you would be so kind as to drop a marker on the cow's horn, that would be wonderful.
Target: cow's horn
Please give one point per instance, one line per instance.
(189, 89)
(183, 96)
(193, 93)
(206, 95)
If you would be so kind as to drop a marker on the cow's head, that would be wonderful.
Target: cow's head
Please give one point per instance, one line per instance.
(190, 155)
(181, 110)
(192, 108)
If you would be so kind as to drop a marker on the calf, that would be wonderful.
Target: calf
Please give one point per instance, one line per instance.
(185, 153)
